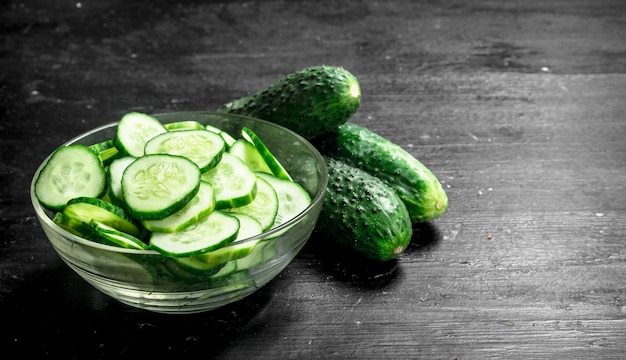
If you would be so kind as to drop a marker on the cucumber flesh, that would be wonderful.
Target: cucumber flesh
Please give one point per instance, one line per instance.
(248, 227)
(87, 209)
(71, 171)
(111, 236)
(228, 139)
(158, 185)
(202, 147)
(263, 208)
(184, 125)
(199, 207)
(133, 132)
(210, 233)
(274, 165)
(234, 182)
(292, 198)
(114, 174)
(250, 155)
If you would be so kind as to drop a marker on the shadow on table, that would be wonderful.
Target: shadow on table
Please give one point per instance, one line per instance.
(347, 266)
(59, 315)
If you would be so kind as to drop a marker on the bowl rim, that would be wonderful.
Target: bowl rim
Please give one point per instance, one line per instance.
(42, 213)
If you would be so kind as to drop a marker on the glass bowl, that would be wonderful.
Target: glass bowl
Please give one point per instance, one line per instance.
(148, 280)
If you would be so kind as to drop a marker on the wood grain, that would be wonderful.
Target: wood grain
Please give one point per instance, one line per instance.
(518, 107)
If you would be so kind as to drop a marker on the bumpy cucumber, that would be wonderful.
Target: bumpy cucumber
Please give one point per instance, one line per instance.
(311, 101)
(414, 183)
(362, 213)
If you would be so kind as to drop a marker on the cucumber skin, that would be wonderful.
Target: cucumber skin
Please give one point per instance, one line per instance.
(362, 213)
(414, 183)
(311, 102)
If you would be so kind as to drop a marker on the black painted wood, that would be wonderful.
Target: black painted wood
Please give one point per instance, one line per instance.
(517, 106)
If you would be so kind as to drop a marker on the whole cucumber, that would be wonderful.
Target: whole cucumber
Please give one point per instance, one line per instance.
(362, 213)
(415, 184)
(311, 102)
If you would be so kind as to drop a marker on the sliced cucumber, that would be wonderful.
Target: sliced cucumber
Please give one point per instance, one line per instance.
(250, 155)
(292, 198)
(263, 208)
(263, 252)
(133, 132)
(200, 146)
(71, 171)
(210, 233)
(234, 183)
(101, 146)
(228, 139)
(111, 236)
(106, 151)
(221, 258)
(184, 125)
(114, 174)
(156, 186)
(200, 206)
(75, 226)
(87, 209)
(248, 227)
(275, 166)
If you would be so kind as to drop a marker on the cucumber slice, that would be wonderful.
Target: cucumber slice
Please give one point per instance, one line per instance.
(101, 146)
(198, 208)
(271, 161)
(73, 225)
(250, 155)
(248, 227)
(87, 209)
(228, 139)
(133, 132)
(200, 146)
(111, 236)
(156, 186)
(184, 125)
(263, 252)
(114, 175)
(292, 198)
(263, 208)
(228, 268)
(106, 151)
(210, 233)
(71, 171)
(234, 183)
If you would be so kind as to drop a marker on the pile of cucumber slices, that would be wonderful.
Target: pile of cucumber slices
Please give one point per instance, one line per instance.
(183, 189)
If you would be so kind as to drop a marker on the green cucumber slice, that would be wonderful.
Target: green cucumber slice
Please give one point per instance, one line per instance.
(212, 232)
(234, 183)
(275, 166)
(111, 236)
(114, 175)
(250, 155)
(156, 186)
(133, 132)
(87, 209)
(199, 207)
(263, 208)
(71, 224)
(202, 147)
(184, 125)
(228, 139)
(248, 227)
(70, 172)
(292, 198)
(263, 252)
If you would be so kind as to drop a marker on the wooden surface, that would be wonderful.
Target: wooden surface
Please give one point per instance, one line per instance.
(519, 107)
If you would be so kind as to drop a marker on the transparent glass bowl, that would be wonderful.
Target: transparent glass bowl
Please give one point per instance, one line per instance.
(147, 280)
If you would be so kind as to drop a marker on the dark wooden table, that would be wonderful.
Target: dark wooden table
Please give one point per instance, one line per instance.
(518, 106)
